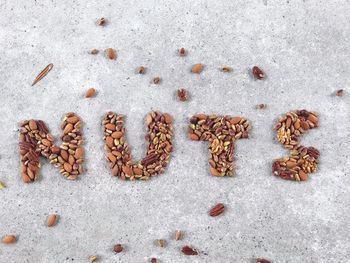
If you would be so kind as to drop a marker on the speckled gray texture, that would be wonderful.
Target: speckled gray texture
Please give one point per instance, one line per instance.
(302, 45)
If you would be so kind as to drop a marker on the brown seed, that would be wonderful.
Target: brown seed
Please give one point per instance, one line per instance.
(182, 52)
(67, 167)
(258, 73)
(111, 53)
(217, 210)
(188, 251)
(79, 153)
(226, 69)
(93, 51)
(90, 92)
(8, 239)
(118, 248)
(178, 235)
(339, 92)
(74, 119)
(32, 125)
(69, 127)
(167, 118)
(161, 242)
(51, 220)
(154, 260)
(197, 68)
(117, 134)
(181, 94)
(141, 70)
(43, 73)
(101, 21)
(156, 80)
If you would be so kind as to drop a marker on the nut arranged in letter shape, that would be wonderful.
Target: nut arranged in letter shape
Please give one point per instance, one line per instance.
(221, 132)
(35, 141)
(302, 160)
(118, 154)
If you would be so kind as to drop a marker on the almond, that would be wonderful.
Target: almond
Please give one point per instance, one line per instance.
(111, 53)
(168, 119)
(74, 119)
(9, 239)
(51, 220)
(197, 68)
(78, 153)
(217, 210)
(117, 134)
(90, 92)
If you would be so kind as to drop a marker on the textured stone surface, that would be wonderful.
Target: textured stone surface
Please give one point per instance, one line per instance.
(304, 49)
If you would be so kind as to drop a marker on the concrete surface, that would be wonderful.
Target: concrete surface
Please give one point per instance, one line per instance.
(304, 49)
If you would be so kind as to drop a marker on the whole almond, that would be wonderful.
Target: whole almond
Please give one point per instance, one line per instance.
(8, 239)
(217, 210)
(111, 53)
(51, 220)
(188, 251)
(197, 68)
(90, 92)
(178, 235)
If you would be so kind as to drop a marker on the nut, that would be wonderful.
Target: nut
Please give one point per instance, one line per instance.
(182, 52)
(182, 94)
(90, 92)
(189, 251)
(111, 54)
(197, 68)
(93, 51)
(178, 235)
(339, 93)
(9, 239)
(217, 210)
(101, 21)
(258, 73)
(156, 80)
(51, 220)
(226, 69)
(141, 70)
(118, 248)
(92, 259)
(161, 242)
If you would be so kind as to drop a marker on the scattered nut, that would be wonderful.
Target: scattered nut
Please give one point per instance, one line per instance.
(182, 94)
(111, 54)
(2, 185)
(258, 73)
(261, 260)
(90, 92)
(101, 21)
(339, 93)
(178, 235)
(217, 210)
(141, 70)
(197, 68)
(9, 239)
(188, 251)
(154, 260)
(51, 220)
(93, 51)
(92, 259)
(226, 69)
(182, 52)
(161, 242)
(156, 80)
(118, 248)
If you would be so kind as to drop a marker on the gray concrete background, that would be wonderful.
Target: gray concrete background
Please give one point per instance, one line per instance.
(304, 49)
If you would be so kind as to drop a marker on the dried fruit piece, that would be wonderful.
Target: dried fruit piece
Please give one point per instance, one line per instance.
(226, 69)
(161, 242)
(221, 132)
(217, 210)
(182, 52)
(339, 93)
(197, 68)
(178, 235)
(51, 220)
(92, 259)
(43, 73)
(156, 80)
(302, 160)
(189, 251)
(118, 153)
(182, 94)
(141, 70)
(258, 73)
(93, 51)
(118, 248)
(101, 21)
(35, 141)
(111, 54)
(9, 239)
(90, 92)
